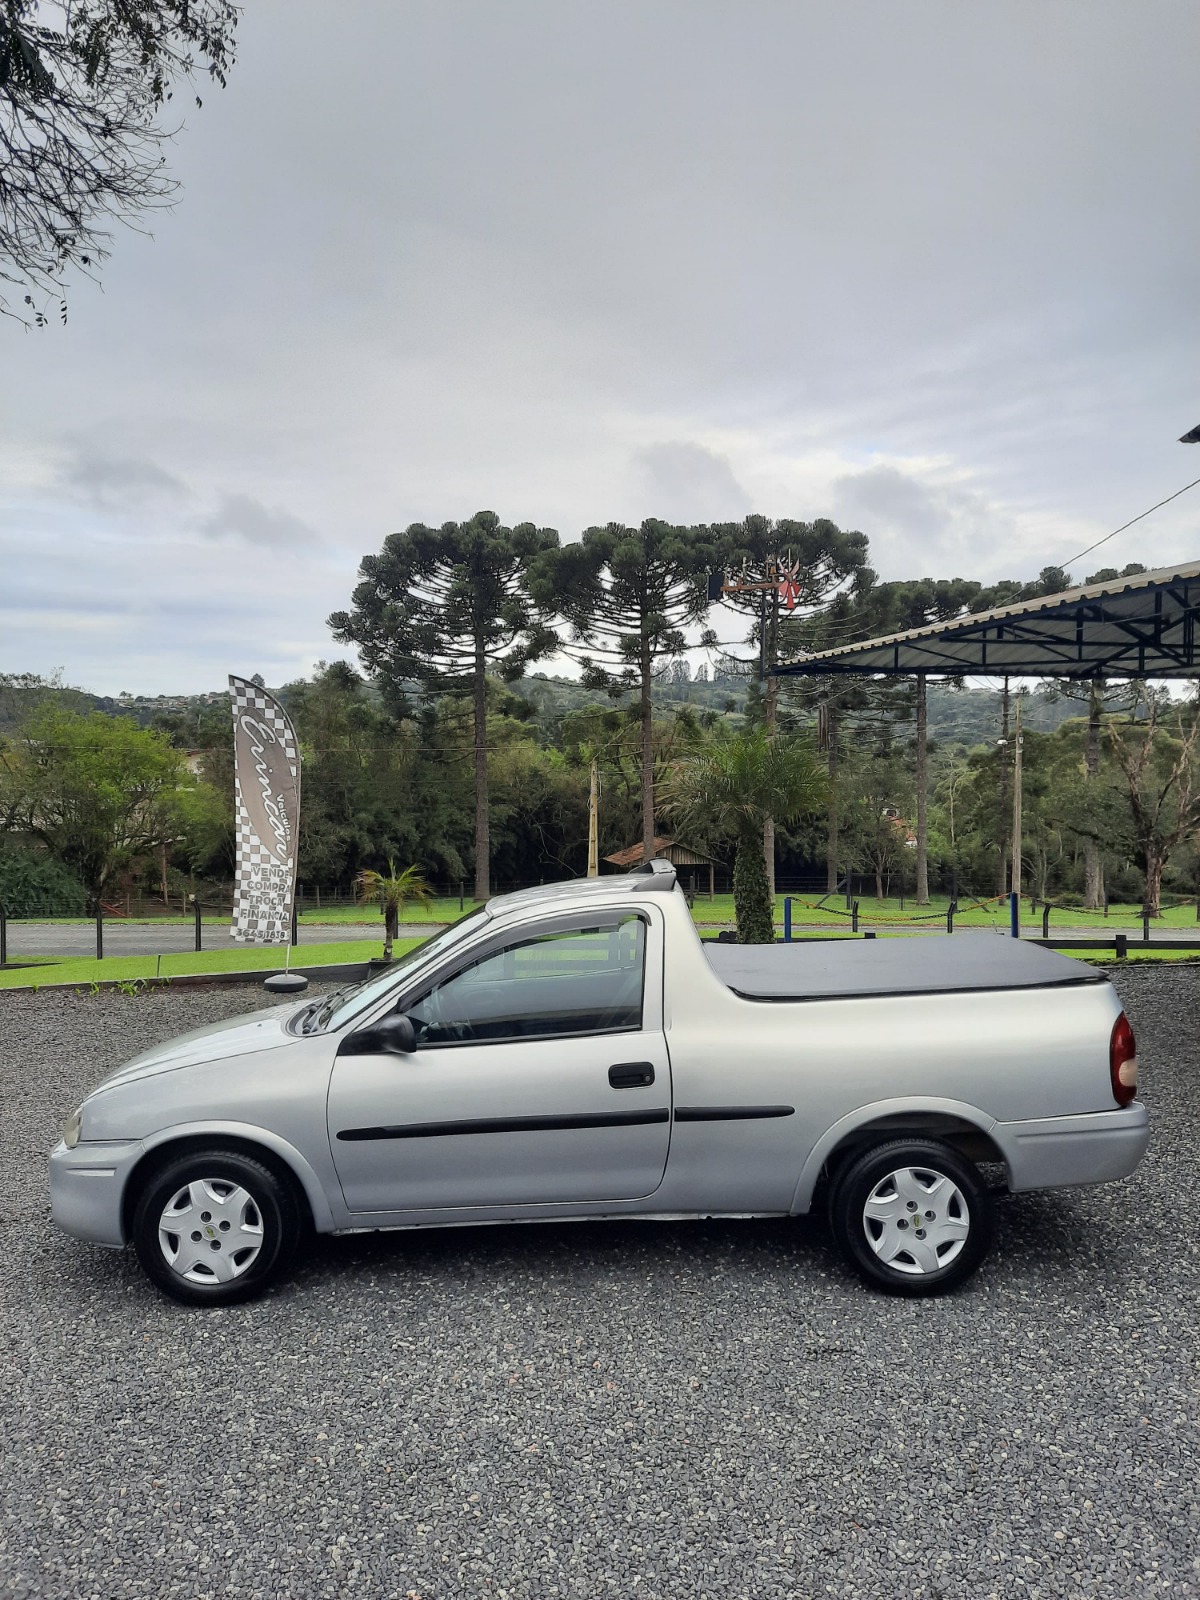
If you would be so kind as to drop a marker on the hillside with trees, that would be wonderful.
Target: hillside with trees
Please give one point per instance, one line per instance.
(452, 738)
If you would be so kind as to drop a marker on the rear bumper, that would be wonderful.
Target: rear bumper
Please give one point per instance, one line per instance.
(1058, 1152)
(87, 1185)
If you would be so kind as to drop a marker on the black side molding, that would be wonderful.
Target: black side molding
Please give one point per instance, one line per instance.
(913, 993)
(446, 1130)
(731, 1113)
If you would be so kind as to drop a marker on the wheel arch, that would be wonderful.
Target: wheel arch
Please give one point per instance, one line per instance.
(964, 1127)
(281, 1157)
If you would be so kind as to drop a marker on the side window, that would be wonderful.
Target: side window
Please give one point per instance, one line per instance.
(586, 980)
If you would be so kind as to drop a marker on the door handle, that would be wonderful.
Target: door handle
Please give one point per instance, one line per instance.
(631, 1074)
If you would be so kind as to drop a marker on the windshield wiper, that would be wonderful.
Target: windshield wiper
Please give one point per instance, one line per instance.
(320, 1010)
(328, 1006)
(304, 1018)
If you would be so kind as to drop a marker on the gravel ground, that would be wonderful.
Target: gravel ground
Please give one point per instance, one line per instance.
(690, 1410)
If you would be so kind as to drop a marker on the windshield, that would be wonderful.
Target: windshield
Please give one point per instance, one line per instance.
(340, 1007)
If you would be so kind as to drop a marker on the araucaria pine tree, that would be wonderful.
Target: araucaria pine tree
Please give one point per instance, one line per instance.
(814, 562)
(628, 594)
(443, 608)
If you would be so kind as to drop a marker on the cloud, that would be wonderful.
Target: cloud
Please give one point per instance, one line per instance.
(922, 524)
(172, 616)
(241, 516)
(118, 483)
(646, 279)
(687, 482)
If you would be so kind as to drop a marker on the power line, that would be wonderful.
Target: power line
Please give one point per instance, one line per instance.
(1129, 524)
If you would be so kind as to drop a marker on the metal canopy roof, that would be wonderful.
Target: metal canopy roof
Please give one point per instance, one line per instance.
(1139, 627)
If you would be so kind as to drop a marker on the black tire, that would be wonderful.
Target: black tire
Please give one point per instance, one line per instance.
(270, 1207)
(910, 1271)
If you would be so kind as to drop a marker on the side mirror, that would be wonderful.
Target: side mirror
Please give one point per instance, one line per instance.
(394, 1034)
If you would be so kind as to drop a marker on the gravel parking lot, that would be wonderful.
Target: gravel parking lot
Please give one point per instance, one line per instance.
(689, 1410)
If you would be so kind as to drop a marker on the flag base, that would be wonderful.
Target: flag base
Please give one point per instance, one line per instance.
(285, 983)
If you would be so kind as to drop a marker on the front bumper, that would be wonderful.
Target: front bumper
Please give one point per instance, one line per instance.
(1058, 1152)
(87, 1186)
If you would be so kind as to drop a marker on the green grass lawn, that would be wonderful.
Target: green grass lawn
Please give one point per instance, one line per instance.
(443, 911)
(353, 916)
(709, 914)
(1108, 958)
(271, 958)
(254, 959)
(833, 914)
(806, 909)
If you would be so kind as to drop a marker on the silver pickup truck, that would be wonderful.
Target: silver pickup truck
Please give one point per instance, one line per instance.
(577, 1052)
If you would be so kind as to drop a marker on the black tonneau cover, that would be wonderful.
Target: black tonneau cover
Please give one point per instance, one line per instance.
(923, 964)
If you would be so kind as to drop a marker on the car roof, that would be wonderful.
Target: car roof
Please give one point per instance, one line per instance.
(657, 877)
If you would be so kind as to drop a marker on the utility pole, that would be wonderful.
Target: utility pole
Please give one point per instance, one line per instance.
(593, 866)
(1016, 828)
(1093, 865)
(922, 792)
(770, 683)
(830, 730)
(1002, 871)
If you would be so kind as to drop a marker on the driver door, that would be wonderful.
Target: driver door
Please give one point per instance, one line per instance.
(540, 1076)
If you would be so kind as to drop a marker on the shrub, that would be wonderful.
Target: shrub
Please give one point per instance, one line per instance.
(33, 884)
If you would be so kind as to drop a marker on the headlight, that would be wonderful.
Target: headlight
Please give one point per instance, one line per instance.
(73, 1128)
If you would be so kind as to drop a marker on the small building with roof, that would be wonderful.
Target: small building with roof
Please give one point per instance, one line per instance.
(693, 862)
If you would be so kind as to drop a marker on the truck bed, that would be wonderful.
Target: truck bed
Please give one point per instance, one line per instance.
(829, 969)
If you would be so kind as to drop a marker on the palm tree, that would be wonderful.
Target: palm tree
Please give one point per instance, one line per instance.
(730, 785)
(393, 891)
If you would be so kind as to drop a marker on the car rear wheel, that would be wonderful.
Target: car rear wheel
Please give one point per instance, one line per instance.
(214, 1226)
(911, 1216)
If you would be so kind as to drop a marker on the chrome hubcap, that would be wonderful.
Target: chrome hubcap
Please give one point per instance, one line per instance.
(210, 1231)
(916, 1220)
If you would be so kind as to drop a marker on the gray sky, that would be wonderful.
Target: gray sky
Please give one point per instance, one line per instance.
(929, 269)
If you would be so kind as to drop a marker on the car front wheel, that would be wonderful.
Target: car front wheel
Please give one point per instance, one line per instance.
(912, 1216)
(214, 1226)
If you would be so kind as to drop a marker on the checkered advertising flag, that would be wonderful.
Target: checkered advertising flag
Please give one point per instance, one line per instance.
(266, 760)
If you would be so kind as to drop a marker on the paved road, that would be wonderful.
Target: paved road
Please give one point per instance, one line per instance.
(681, 1411)
(126, 939)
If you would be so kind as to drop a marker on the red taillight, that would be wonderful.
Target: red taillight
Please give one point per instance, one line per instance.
(1122, 1061)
